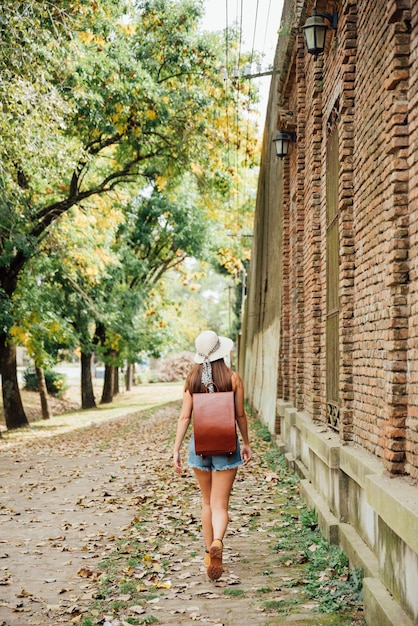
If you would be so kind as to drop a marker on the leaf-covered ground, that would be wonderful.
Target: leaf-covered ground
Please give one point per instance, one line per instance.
(95, 528)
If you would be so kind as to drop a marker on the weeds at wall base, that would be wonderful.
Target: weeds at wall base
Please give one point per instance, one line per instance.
(327, 578)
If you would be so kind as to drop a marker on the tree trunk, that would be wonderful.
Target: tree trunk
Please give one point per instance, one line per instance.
(40, 376)
(116, 381)
(14, 413)
(128, 377)
(108, 385)
(87, 394)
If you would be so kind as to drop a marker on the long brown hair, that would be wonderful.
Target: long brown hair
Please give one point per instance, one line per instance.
(221, 375)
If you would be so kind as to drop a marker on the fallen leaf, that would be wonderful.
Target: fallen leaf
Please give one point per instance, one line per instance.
(24, 594)
(85, 573)
(124, 597)
(137, 609)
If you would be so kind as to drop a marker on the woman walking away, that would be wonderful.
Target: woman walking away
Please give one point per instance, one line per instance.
(215, 474)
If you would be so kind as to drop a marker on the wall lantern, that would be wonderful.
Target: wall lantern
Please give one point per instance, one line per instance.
(282, 141)
(315, 29)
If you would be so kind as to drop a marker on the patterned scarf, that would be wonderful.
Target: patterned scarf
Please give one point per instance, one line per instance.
(207, 368)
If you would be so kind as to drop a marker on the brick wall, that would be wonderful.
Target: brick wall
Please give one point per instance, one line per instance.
(354, 166)
(365, 85)
(411, 465)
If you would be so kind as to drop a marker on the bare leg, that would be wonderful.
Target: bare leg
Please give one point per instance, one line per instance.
(204, 478)
(216, 488)
(222, 482)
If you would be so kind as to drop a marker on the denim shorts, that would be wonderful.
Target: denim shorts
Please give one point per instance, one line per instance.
(215, 463)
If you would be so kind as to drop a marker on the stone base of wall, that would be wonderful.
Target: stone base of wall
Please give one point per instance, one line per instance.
(374, 518)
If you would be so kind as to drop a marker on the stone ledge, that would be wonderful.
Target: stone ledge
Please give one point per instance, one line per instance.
(327, 449)
(358, 464)
(380, 608)
(281, 448)
(296, 466)
(328, 523)
(358, 553)
(290, 416)
(281, 406)
(290, 462)
(301, 470)
(397, 504)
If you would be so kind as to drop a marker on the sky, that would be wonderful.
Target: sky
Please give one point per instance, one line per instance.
(260, 23)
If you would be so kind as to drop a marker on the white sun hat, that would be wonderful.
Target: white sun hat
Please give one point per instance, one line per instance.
(211, 347)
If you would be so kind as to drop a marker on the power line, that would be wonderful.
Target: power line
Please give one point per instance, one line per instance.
(265, 32)
(227, 65)
(255, 29)
(237, 129)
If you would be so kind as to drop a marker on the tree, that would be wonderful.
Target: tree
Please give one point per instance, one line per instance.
(130, 98)
(156, 235)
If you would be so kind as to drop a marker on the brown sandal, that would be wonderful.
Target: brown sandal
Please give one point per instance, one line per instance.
(215, 569)
(207, 558)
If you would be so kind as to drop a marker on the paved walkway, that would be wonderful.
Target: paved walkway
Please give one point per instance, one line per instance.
(96, 528)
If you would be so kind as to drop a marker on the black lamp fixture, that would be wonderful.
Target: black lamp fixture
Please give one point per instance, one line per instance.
(315, 29)
(282, 141)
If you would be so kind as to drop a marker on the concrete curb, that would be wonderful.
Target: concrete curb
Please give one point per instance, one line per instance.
(380, 608)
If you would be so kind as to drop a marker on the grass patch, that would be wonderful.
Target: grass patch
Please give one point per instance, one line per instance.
(234, 593)
(119, 588)
(282, 607)
(324, 575)
(327, 577)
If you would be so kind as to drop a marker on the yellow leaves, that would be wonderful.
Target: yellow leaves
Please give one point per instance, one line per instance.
(128, 29)
(119, 118)
(121, 128)
(136, 131)
(91, 272)
(20, 334)
(150, 114)
(231, 263)
(86, 37)
(120, 124)
(55, 327)
(161, 182)
(196, 168)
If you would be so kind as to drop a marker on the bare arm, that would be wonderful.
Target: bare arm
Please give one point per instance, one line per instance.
(182, 426)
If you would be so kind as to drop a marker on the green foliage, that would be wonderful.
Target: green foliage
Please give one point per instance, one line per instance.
(330, 579)
(234, 593)
(309, 519)
(55, 382)
(148, 619)
(114, 169)
(327, 576)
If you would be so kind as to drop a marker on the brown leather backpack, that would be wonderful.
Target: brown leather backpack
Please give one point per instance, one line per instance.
(214, 423)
